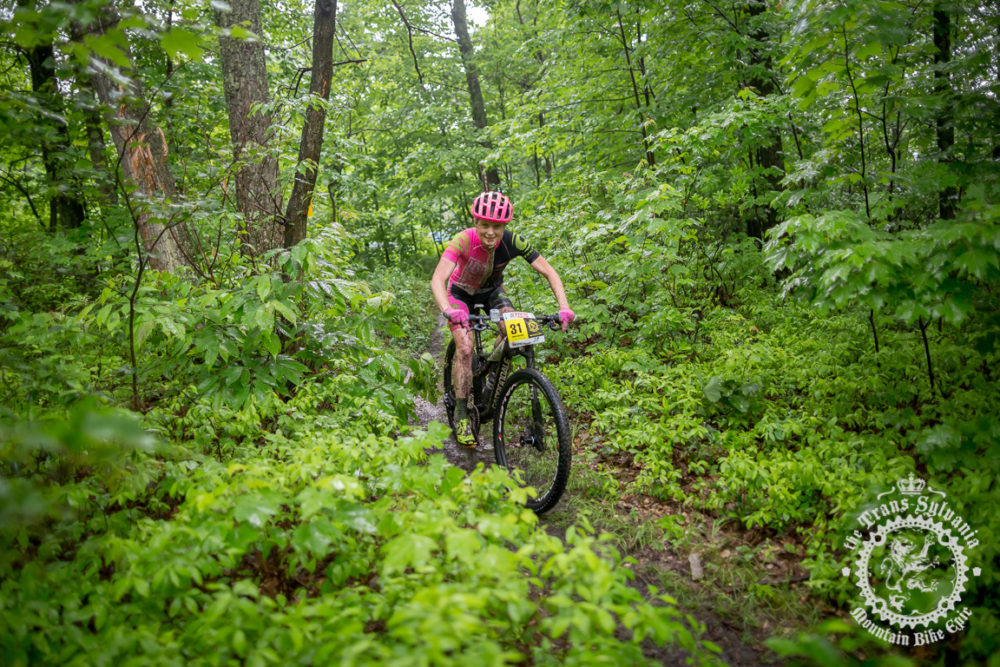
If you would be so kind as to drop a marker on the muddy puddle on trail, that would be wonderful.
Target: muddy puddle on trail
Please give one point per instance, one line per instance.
(465, 458)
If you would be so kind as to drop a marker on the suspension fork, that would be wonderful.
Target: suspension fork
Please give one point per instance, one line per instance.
(536, 405)
(529, 356)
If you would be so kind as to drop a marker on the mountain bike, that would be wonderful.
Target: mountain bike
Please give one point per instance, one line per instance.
(531, 435)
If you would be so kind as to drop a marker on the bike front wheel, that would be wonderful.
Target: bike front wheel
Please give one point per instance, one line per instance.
(531, 436)
(449, 390)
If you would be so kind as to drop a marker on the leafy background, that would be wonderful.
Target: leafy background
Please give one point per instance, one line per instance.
(778, 226)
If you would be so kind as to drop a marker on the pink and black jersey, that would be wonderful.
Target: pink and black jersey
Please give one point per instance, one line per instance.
(480, 270)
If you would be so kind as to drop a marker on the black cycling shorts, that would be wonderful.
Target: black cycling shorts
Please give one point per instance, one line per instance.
(459, 298)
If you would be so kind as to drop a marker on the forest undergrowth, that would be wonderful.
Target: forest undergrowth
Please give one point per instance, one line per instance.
(223, 521)
(777, 224)
(260, 498)
(252, 491)
(726, 424)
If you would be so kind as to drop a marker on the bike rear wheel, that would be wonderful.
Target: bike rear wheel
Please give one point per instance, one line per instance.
(531, 435)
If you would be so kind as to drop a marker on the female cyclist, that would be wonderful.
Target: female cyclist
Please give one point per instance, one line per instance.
(471, 271)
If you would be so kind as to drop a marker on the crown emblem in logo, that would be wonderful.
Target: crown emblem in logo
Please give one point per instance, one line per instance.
(911, 486)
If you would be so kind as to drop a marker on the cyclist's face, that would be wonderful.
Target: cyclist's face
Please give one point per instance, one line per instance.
(489, 232)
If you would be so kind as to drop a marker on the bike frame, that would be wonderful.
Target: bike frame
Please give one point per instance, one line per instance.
(481, 365)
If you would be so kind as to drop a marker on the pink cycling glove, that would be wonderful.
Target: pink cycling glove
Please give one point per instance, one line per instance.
(565, 317)
(458, 316)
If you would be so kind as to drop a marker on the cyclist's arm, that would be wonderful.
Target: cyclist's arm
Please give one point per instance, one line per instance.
(544, 268)
(439, 283)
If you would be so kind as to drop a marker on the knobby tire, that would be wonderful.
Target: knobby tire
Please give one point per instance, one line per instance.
(449, 390)
(531, 434)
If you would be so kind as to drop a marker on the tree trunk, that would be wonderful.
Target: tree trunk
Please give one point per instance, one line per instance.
(945, 130)
(324, 25)
(996, 68)
(244, 80)
(96, 145)
(66, 208)
(333, 186)
(472, 81)
(647, 149)
(770, 156)
(333, 191)
(548, 162)
(142, 152)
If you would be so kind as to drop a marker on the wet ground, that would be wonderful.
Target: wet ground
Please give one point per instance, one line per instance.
(465, 458)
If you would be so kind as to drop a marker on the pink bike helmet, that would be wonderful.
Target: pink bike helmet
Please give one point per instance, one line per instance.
(492, 206)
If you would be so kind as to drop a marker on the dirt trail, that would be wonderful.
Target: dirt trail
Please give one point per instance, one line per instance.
(427, 412)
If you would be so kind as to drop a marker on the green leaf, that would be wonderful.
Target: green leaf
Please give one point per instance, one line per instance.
(240, 642)
(108, 46)
(977, 262)
(867, 50)
(264, 318)
(713, 389)
(357, 517)
(463, 545)
(309, 538)
(233, 374)
(285, 310)
(239, 32)
(102, 314)
(263, 286)
(312, 500)
(256, 508)
(180, 40)
(142, 333)
(210, 348)
(407, 551)
(272, 344)
(345, 485)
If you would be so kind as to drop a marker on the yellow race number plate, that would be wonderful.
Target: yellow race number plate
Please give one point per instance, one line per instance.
(522, 329)
(517, 330)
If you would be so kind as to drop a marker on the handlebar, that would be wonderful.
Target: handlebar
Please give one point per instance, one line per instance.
(483, 322)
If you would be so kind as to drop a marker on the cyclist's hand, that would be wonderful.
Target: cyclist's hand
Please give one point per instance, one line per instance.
(458, 316)
(565, 317)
